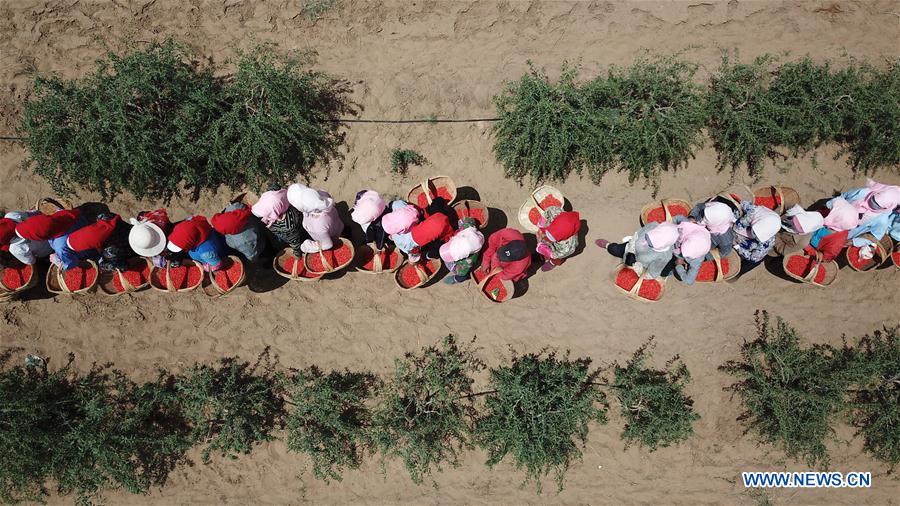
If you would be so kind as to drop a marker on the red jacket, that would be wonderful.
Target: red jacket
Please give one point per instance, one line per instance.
(437, 226)
(831, 245)
(513, 271)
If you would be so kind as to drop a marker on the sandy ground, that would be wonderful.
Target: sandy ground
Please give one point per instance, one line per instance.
(412, 59)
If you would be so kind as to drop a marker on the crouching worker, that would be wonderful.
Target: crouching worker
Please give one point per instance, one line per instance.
(557, 236)
(461, 252)
(652, 247)
(507, 251)
(397, 225)
(55, 229)
(106, 238)
(242, 231)
(691, 249)
(197, 238)
(24, 250)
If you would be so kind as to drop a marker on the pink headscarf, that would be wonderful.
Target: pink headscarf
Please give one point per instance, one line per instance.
(400, 220)
(718, 217)
(271, 206)
(694, 240)
(368, 207)
(887, 197)
(663, 236)
(843, 215)
(464, 243)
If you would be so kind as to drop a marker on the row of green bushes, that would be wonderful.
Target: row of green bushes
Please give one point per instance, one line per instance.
(157, 120)
(85, 432)
(650, 117)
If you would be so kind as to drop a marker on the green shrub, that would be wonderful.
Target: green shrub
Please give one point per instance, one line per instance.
(85, 432)
(426, 412)
(401, 159)
(538, 411)
(791, 394)
(743, 120)
(329, 419)
(653, 404)
(658, 114)
(875, 402)
(871, 133)
(546, 130)
(153, 120)
(121, 127)
(279, 122)
(231, 407)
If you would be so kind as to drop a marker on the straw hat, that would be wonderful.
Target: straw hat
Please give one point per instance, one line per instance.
(146, 239)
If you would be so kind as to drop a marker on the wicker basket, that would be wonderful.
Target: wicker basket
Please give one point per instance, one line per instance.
(482, 280)
(26, 274)
(288, 266)
(56, 279)
(213, 289)
(330, 265)
(161, 278)
(434, 265)
(776, 198)
(383, 260)
(634, 291)
(107, 281)
(433, 187)
(49, 205)
(882, 249)
(539, 200)
(466, 209)
(811, 273)
(734, 267)
(670, 208)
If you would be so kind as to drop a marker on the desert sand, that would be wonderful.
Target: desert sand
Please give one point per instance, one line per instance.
(413, 59)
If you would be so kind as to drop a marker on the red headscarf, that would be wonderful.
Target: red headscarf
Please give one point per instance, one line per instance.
(93, 236)
(431, 228)
(564, 226)
(7, 232)
(231, 222)
(189, 234)
(43, 227)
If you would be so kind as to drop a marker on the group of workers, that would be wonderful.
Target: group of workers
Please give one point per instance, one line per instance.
(306, 220)
(724, 224)
(298, 217)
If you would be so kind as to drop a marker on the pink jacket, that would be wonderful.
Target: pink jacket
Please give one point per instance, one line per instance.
(323, 228)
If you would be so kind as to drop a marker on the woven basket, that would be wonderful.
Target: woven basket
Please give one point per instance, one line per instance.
(424, 277)
(383, 260)
(881, 255)
(56, 280)
(49, 205)
(670, 208)
(734, 267)
(26, 274)
(464, 209)
(482, 280)
(107, 281)
(159, 274)
(432, 185)
(288, 266)
(246, 198)
(213, 289)
(540, 199)
(831, 270)
(784, 197)
(329, 264)
(635, 289)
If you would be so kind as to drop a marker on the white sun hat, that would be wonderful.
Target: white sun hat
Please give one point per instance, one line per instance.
(146, 239)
